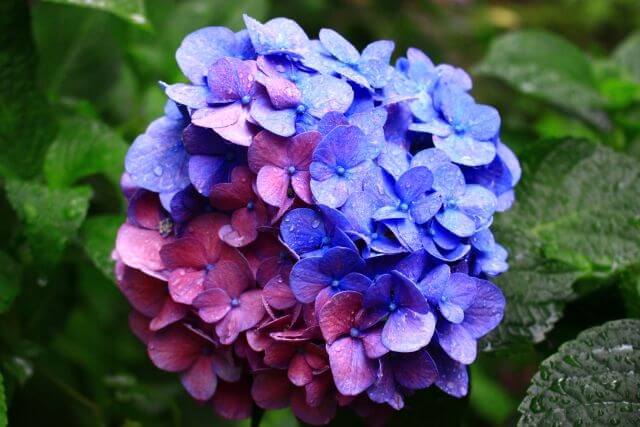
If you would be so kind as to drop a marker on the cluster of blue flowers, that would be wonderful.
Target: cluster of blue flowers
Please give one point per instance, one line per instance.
(377, 183)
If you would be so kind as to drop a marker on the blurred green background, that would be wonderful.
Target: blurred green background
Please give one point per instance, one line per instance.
(66, 354)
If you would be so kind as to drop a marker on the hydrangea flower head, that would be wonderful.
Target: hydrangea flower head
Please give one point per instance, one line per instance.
(310, 226)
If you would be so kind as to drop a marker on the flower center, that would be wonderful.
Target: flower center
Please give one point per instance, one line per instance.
(301, 108)
(250, 206)
(458, 128)
(291, 170)
(392, 306)
(374, 236)
(235, 302)
(209, 267)
(354, 332)
(245, 100)
(335, 283)
(326, 240)
(403, 207)
(229, 157)
(340, 170)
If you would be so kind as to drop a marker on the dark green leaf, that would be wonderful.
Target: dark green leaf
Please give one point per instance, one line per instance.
(548, 67)
(84, 147)
(630, 288)
(9, 281)
(50, 217)
(3, 404)
(627, 55)
(576, 215)
(98, 237)
(26, 124)
(131, 10)
(592, 380)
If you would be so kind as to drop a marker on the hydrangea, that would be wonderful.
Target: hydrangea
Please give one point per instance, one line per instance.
(309, 225)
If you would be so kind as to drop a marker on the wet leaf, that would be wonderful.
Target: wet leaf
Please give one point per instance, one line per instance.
(98, 236)
(627, 55)
(571, 220)
(9, 281)
(592, 380)
(548, 67)
(50, 217)
(131, 10)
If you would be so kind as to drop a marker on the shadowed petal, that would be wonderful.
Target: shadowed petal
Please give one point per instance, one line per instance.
(174, 349)
(307, 279)
(212, 305)
(233, 400)
(170, 313)
(486, 310)
(453, 377)
(145, 293)
(415, 370)
(299, 373)
(200, 380)
(271, 390)
(186, 252)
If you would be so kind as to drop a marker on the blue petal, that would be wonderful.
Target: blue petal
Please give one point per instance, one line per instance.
(483, 240)
(321, 94)
(407, 331)
(338, 46)
(394, 159)
(279, 35)
(157, 160)
(483, 122)
(280, 122)
(465, 150)
(456, 222)
(406, 294)
(338, 262)
(448, 180)
(206, 171)
(413, 183)
(302, 230)
(377, 73)
(380, 50)
(434, 126)
(477, 203)
(431, 158)
(457, 342)
(200, 49)
(425, 207)
(434, 282)
(486, 311)
(192, 96)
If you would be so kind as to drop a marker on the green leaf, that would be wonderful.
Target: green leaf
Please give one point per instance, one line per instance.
(26, 123)
(130, 10)
(84, 147)
(10, 275)
(279, 418)
(98, 237)
(3, 404)
(592, 380)
(576, 215)
(627, 55)
(548, 67)
(629, 285)
(51, 217)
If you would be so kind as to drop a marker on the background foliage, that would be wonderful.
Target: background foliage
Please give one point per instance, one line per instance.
(78, 83)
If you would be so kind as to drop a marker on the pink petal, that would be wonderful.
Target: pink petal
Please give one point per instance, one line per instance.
(243, 317)
(243, 229)
(279, 354)
(175, 348)
(278, 295)
(186, 252)
(318, 389)
(299, 372)
(373, 346)
(170, 313)
(185, 285)
(145, 210)
(200, 380)
(224, 366)
(233, 400)
(272, 184)
(230, 276)
(217, 117)
(145, 293)
(205, 229)
(316, 356)
(319, 415)
(301, 183)
(268, 149)
(301, 147)
(241, 132)
(139, 325)
(212, 305)
(353, 372)
(338, 315)
(271, 390)
(140, 249)
(235, 194)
